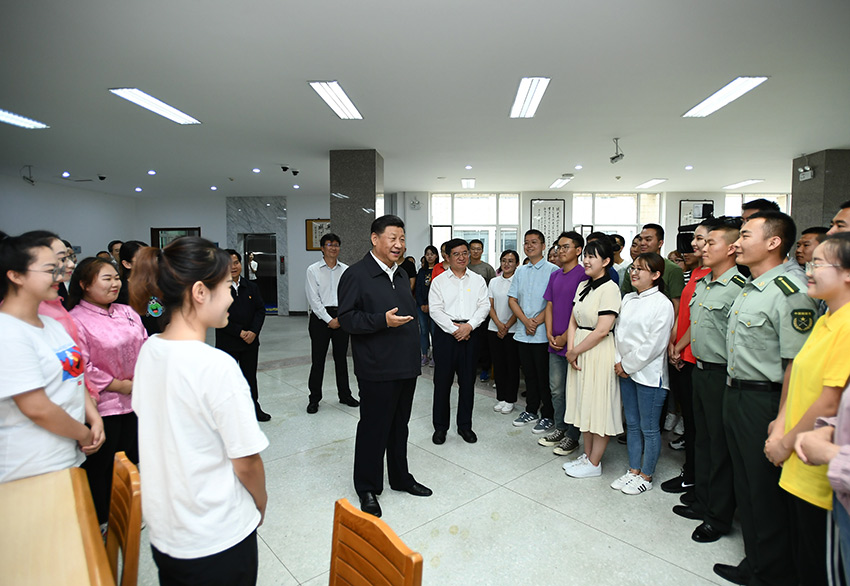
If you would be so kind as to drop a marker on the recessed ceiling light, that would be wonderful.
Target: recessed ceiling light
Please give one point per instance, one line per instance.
(743, 183)
(689, 167)
(468, 183)
(561, 181)
(579, 167)
(334, 96)
(296, 186)
(528, 96)
(213, 188)
(650, 183)
(268, 205)
(138, 190)
(468, 167)
(156, 106)
(728, 93)
(65, 174)
(151, 172)
(18, 120)
(255, 170)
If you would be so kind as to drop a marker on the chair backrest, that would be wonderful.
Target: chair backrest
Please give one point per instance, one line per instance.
(125, 520)
(367, 552)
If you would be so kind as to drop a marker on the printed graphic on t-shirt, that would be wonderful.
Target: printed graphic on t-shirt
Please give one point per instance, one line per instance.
(72, 362)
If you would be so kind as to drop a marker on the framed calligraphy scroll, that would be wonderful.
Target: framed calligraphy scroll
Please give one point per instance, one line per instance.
(547, 215)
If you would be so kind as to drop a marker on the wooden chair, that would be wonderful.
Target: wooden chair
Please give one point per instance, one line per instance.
(367, 552)
(125, 520)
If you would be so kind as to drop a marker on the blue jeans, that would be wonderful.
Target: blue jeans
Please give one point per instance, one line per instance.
(426, 328)
(642, 407)
(557, 386)
(842, 520)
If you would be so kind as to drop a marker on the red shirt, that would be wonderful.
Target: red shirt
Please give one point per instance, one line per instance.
(438, 268)
(685, 310)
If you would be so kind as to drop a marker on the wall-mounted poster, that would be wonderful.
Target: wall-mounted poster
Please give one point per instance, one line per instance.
(315, 230)
(694, 211)
(584, 229)
(547, 215)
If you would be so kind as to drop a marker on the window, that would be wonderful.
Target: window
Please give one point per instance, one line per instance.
(734, 201)
(492, 218)
(620, 213)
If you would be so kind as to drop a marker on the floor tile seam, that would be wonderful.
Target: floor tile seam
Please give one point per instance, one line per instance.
(427, 449)
(438, 517)
(266, 543)
(299, 452)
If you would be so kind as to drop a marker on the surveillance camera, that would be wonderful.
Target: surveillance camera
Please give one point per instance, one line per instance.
(295, 172)
(284, 168)
(102, 177)
(617, 158)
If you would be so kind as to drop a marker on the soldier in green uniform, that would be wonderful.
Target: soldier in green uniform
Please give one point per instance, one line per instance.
(714, 294)
(768, 324)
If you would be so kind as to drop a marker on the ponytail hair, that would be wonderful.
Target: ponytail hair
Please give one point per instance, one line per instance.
(17, 253)
(169, 274)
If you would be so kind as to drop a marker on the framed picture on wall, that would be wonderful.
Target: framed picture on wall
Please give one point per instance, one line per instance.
(547, 215)
(694, 211)
(315, 230)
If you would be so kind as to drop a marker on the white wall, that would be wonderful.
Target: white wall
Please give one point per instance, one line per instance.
(298, 210)
(417, 225)
(208, 212)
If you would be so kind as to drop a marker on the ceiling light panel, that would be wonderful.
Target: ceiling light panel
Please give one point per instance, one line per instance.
(468, 183)
(744, 183)
(335, 97)
(21, 121)
(156, 106)
(528, 96)
(561, 181)
(650, 183)
(728, 93)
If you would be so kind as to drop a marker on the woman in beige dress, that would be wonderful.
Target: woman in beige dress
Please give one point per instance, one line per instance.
(593, 393)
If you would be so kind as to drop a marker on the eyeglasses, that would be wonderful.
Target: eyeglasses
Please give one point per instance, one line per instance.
(460, 254)
(564, 247)
(634, 269)
(811, 266)
(57, 272)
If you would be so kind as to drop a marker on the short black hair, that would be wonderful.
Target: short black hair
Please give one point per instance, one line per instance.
(507, 252)
(535, 232)
(598, 235)
(619, 242)
(839, 246)
(454, 243)
(761, 204)
(601, 248)
(384, 222)
(232, 252)
(845, 205)
(781, 225)
(815, 230)
(329, 237)
(659, 231)
(113, 243)
(475, 241)
(577, 238)
(683, 242)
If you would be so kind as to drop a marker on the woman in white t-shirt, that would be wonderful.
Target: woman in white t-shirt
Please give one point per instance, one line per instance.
(503, 348)
(252, 267)
(43, 399)
(203, 481)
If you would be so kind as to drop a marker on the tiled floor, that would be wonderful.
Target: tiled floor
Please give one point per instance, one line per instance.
(503, 511)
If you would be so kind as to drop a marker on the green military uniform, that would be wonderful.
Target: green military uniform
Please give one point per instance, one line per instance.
(673, 277)
(768, 323)
(709, 308)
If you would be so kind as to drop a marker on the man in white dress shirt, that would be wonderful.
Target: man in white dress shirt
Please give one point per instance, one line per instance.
(458, 303)
(321, 283)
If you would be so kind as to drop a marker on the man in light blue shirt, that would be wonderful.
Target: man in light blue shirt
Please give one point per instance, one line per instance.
(525, 298)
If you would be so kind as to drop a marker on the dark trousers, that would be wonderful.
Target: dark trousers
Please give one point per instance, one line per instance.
(482, 358)
(384, 414)
(453, 358)
(321, 337)
(762, 507)
(122, 435)
(534, 360)
(715, 492)
(808, 540)
(247, 358)
(505, 357)
(682, 387)
(235, 566)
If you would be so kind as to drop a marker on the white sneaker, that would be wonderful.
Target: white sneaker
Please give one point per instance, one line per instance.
(507, 408)
(569, 464)
(623, 480)
(637, 485)
(679, 429)
(585, 470)
(498, 406)
(670, 421)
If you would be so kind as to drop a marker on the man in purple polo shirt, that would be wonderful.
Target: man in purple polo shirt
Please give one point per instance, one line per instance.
(559, 297)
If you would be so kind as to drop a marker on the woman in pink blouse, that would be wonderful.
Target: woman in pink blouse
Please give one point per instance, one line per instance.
(111, 336)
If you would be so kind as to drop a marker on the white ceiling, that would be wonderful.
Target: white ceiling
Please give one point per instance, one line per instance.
(434, 82)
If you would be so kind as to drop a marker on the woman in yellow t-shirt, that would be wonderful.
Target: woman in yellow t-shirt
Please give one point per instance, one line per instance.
(818, 377)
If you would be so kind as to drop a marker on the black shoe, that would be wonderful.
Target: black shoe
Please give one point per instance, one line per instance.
(677, 484)
(687, 512)
(621, 439)
(350, 401)
(688, 498)
(468, 435)
(733, 574)
(439, 437)
(369, 504)
(706, 533)
(262, 415)
(312, 407)
(416, 489)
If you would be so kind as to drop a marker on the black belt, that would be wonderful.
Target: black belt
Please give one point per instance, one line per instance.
(702, 365)
(753, 385)
(331, 307)
(460, 321)
(611, 331)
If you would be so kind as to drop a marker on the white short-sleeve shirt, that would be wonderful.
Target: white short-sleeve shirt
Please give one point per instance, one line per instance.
(498, 292)
(36, 358)
(195, 415)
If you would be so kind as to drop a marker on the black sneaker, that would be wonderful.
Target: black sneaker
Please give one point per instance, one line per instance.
(677, 484)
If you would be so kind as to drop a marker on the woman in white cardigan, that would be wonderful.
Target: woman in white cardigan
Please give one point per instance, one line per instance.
(641, 335)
